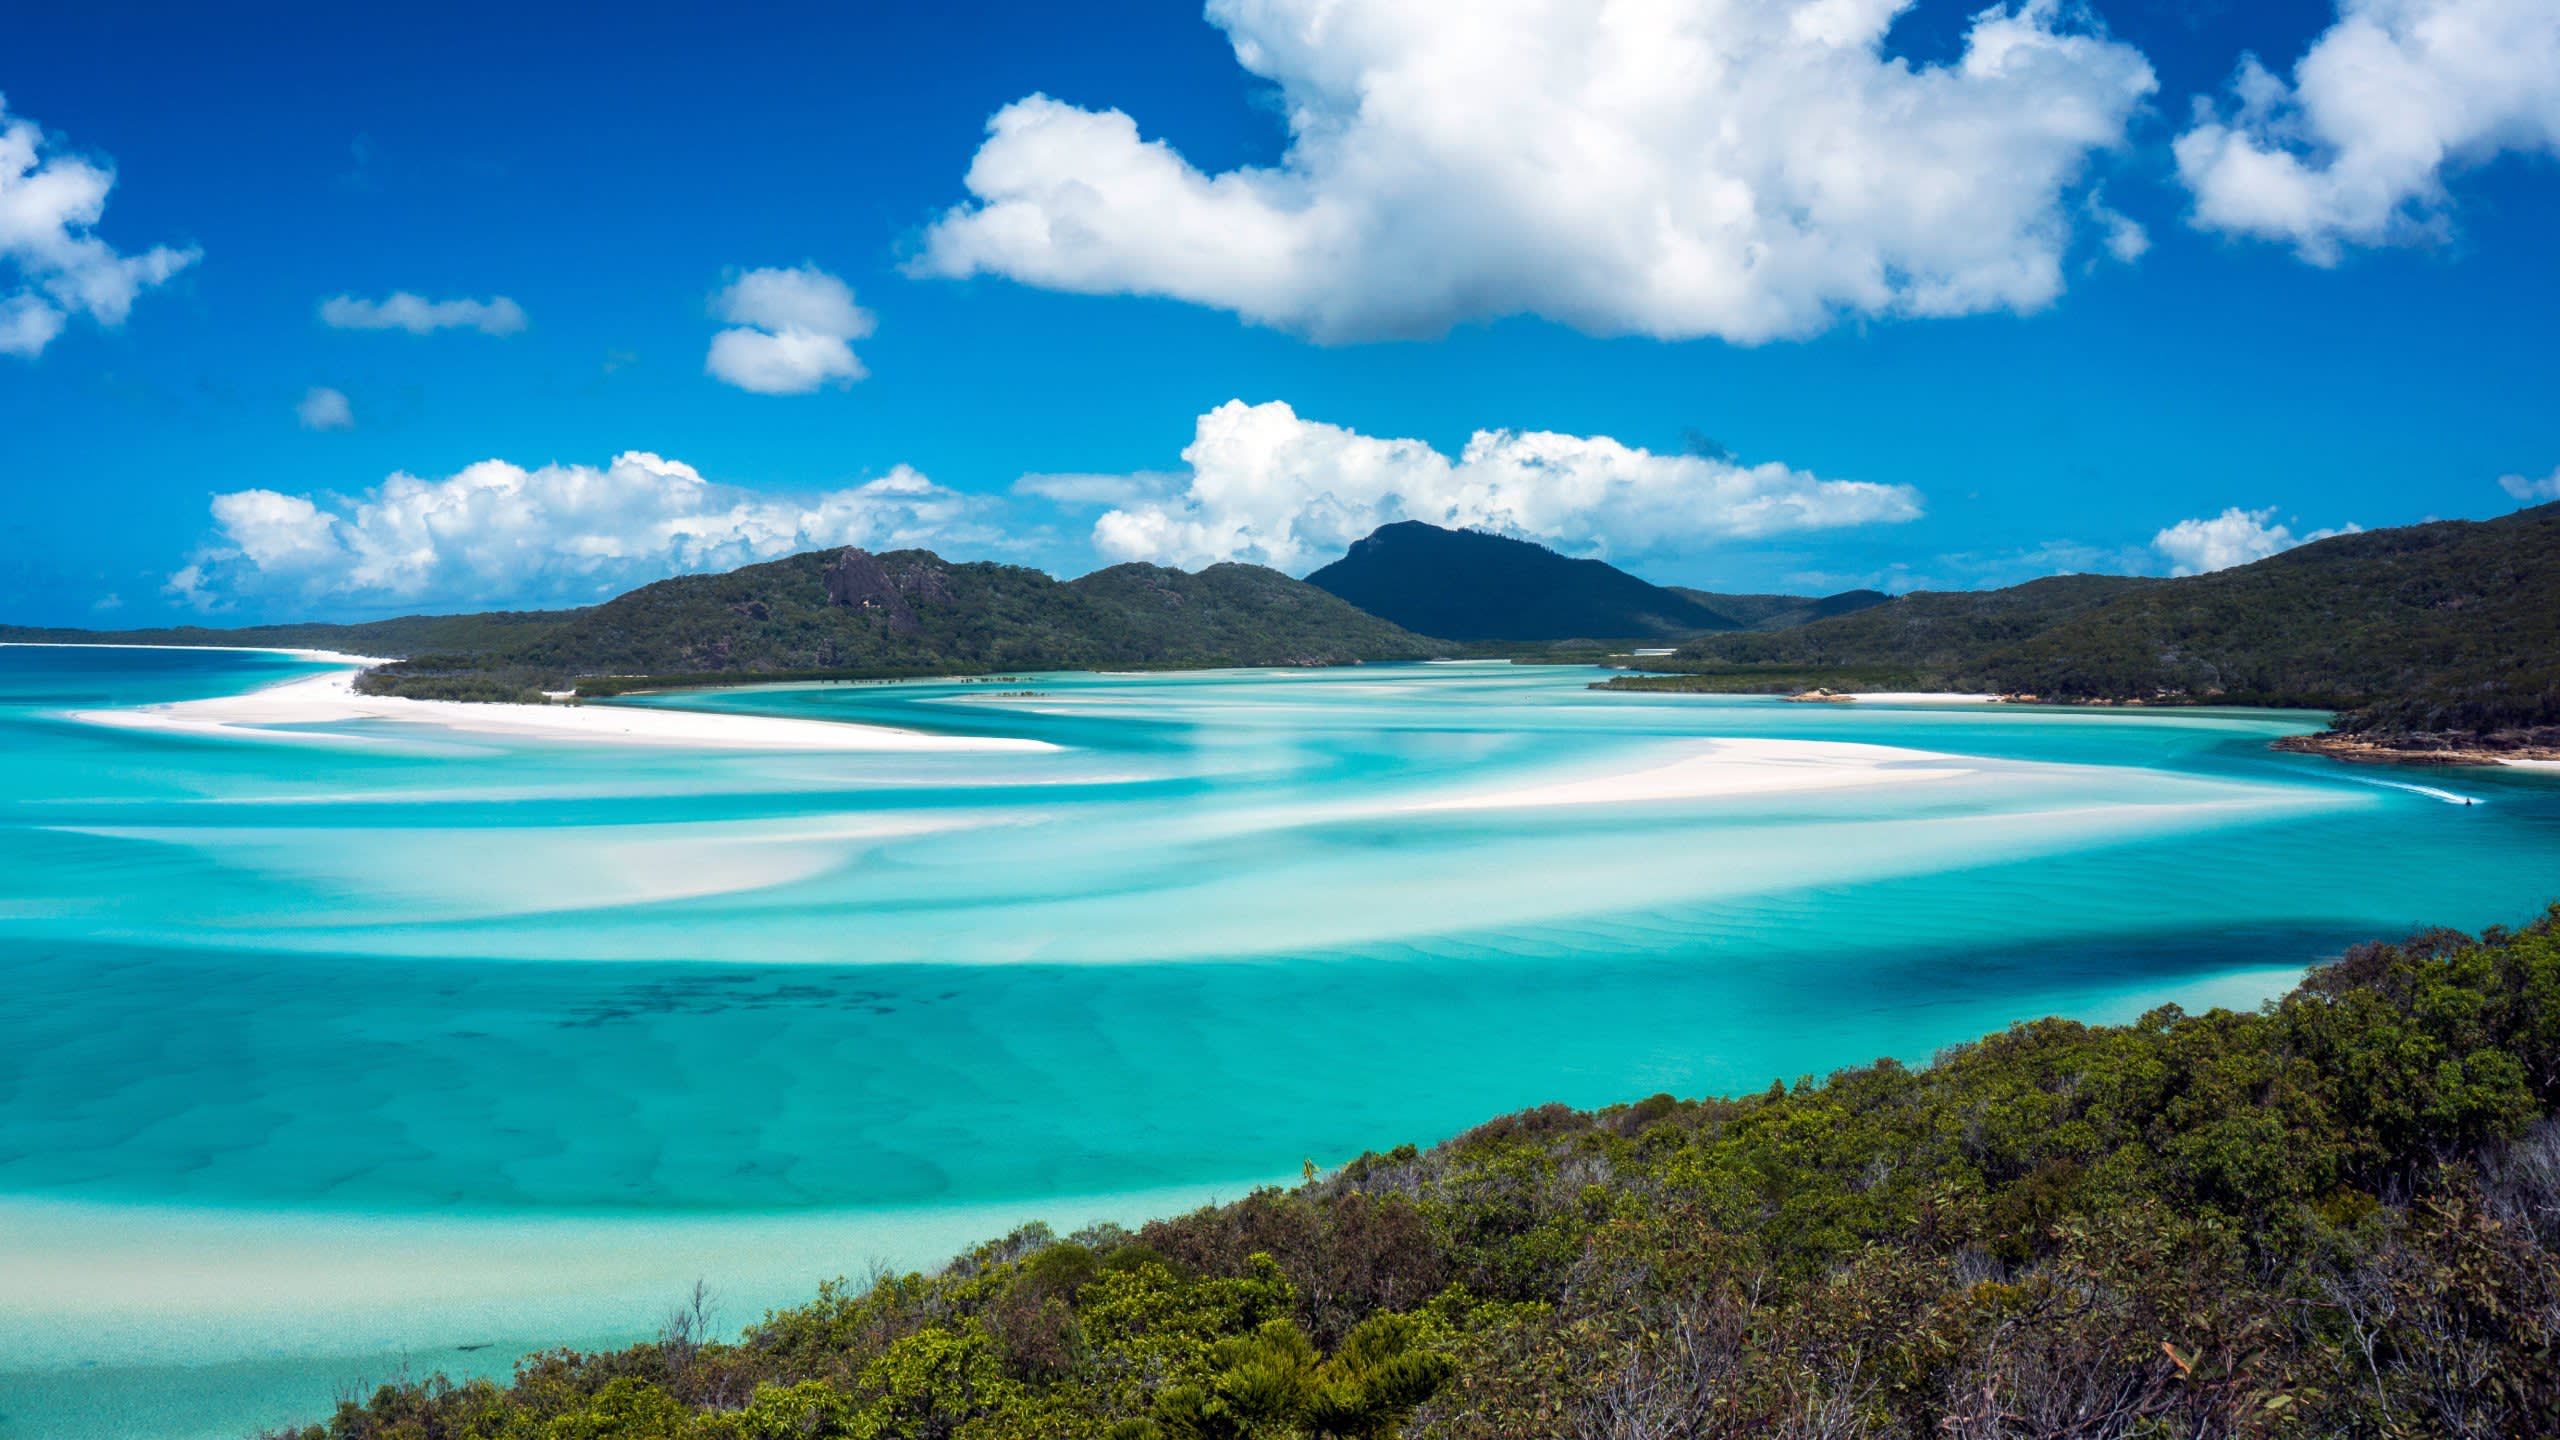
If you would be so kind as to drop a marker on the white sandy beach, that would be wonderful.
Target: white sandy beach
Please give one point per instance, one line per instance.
(1720, 768)
(332, 699)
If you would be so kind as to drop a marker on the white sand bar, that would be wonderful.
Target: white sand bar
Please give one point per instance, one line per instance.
(332, 699)
(1727, 767)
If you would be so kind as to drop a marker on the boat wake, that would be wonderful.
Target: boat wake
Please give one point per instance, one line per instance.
(2447, 796)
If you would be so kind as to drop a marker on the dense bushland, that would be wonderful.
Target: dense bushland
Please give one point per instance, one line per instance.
(2449, 629)
(846, 613)
(2337, 1216)
(843, 614)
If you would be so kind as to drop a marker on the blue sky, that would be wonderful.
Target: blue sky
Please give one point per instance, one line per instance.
(2279, 346)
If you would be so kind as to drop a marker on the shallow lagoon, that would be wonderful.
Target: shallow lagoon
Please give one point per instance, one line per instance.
(323, 1058)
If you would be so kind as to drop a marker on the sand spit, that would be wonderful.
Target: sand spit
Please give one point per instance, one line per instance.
(1719, 768)
(280, 712)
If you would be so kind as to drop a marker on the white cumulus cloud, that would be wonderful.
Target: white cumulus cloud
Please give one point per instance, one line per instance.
(419, 315)
(2387, 101)
(789, 332)
(52, 266)
(2530, 490)
(323, 408)
(1673, 168)
(2234, 537)
(497, 533)
(1267, 486)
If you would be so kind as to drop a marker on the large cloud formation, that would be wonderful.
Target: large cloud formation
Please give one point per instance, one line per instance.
(2234, 537)
(1267, 486)
(2354, 151)
(1675, 168)
(559, 533)
(48, 204)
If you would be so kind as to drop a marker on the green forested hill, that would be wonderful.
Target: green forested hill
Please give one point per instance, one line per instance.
(2339, 1216)
(852, 612)
(1780, 612)
(1925, 630)
(1470, 585)
(2449, 629)
(843, 612)
(1474, 586)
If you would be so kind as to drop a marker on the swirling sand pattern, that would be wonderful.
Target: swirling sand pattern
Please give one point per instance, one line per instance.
(562, 1024)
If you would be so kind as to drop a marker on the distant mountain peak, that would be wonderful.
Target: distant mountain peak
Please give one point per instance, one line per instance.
(1478, 585)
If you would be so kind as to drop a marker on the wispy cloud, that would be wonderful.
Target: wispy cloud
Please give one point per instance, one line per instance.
(2530, 490)
(323, 408)
(1088, 491)
(418, 315)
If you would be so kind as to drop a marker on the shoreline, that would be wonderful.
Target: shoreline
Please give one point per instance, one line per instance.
(2330, 745)
(1820, 696)
(2352, 751)
(279, 712)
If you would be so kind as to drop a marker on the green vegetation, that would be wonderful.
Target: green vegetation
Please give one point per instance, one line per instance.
(1942, 633)
(848, 614)
(457, 677)
(840, 614)
(2337, 1216)
(1467, 585)
(2424, 636)
(1776, 679)
(1782, 612)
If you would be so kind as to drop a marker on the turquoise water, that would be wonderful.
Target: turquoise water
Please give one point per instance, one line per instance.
(311, 1050)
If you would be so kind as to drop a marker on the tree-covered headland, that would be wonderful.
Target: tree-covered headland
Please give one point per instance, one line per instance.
(2430, 638)
(2337, 1216)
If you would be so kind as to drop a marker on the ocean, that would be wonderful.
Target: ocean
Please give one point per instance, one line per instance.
(396, 1049)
